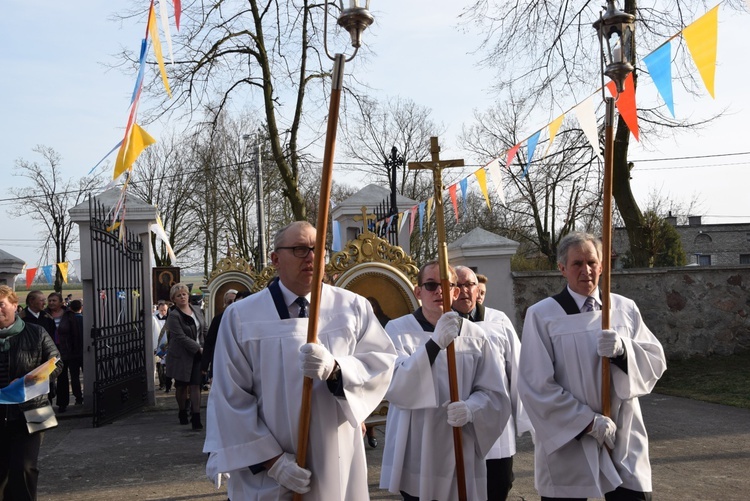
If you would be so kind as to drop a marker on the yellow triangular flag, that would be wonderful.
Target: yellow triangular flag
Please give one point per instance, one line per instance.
(553, 128)
(63, 271)
(138, 141)
(429, 208)
(701, 38)
(482, 179)
(157, 48)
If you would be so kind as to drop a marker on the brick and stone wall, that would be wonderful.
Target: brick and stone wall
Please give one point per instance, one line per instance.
(692, 310)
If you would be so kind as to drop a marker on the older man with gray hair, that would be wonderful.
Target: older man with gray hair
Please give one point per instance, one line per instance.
(560, 385)
(500, 330)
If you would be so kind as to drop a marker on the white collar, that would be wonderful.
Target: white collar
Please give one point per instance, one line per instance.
(580, 299)
(289, 296)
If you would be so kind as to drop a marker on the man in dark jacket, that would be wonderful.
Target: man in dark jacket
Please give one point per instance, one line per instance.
(34, 313)
(69, 340)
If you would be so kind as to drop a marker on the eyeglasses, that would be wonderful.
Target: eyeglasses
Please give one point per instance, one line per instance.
(298, 250)
(467, 285)
(433, 286)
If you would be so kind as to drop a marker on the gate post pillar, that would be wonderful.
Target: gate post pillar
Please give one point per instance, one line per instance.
(139, 215)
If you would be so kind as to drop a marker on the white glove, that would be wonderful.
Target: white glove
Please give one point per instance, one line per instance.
(459, 413)
(610, 344)
(603, 430)
(221, 477)
(316, 361)
(288, 474)
(447, 329)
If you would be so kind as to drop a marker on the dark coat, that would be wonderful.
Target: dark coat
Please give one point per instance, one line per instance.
(28, 350)
(185, 340)
(45, 320)
(68, 337)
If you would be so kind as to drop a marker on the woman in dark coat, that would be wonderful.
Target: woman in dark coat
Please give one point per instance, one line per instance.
(186, 331)
(23, 347)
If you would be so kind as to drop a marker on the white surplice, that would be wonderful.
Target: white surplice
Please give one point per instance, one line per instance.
(560, 386)
(500, 329)
(255, 398)
(418, 457)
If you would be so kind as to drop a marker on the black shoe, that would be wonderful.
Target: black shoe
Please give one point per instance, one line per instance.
(183, 416)
(195, 419)
(372, 441)
(62, 408)
(79, 401)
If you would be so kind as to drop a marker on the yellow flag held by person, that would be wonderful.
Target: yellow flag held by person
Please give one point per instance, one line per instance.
(131, 149)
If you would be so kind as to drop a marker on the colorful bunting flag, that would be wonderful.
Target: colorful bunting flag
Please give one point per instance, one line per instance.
(177, 13)
(47, 270)
(481, 176)
(626, 104)
(701, 38)
(411, 219)
(63, 271)
(165, 28)
(421, 216)
(531, 147)
(336, 243)
(30, 274)
(139, 140)
(659, 64)
(157, 48)
(587, 120)
(464, 184)
(430, 201)
(554, 126)
(497, 178)
(452, 192)
(511, 155)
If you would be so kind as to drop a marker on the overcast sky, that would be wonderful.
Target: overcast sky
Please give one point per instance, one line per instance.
(56, 91)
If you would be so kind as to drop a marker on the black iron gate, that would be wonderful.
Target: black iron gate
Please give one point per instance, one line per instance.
(118, 332)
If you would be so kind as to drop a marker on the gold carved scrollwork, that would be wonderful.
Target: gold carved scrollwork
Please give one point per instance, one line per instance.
(233, 262)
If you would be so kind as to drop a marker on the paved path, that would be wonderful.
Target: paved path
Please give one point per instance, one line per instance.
(698, 451)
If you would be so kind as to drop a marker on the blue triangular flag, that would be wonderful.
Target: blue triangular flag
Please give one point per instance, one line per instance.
(659, 64)
(531, 145)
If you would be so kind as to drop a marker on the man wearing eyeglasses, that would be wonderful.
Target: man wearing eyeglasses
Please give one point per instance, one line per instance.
(418, 458)
(499, 328)
(260, 360)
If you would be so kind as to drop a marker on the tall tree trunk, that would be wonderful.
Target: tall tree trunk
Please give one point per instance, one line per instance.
(621, 190)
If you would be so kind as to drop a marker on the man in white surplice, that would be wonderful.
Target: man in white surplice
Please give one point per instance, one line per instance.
(260, 359)
(500, 329)
(560, 385)
(418, 458)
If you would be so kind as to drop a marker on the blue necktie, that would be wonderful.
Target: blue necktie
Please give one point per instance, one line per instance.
(302, 302)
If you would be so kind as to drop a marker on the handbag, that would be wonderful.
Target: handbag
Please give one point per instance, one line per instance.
(40, 419)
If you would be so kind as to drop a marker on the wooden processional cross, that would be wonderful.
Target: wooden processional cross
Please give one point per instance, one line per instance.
(365, 218)
(437, 166)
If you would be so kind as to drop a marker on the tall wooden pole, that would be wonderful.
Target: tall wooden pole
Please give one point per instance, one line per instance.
(604, 282)
(319, 258)
(436, 166)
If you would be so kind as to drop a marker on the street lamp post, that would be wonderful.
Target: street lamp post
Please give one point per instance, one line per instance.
(615, 31)
(261, 213)
(392, 163)
(354, 19)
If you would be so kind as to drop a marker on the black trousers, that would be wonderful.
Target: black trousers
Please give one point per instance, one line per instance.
(499, 478)
(64, 383)
(19, 452)
(619, 494)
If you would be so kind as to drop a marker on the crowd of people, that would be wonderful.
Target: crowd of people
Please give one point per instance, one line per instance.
(257, 357)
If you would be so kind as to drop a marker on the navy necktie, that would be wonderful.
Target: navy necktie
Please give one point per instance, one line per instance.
(303, 303)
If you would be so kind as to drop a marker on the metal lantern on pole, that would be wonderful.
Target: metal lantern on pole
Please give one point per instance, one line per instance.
(354, 19)
(615, 30)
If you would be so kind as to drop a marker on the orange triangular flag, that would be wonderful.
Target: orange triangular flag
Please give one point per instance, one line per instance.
(452, 192)
(701, 38)
(626, 104)
(30, 274)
